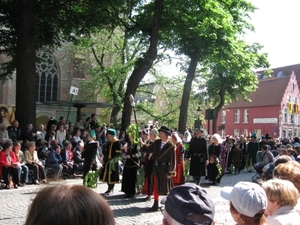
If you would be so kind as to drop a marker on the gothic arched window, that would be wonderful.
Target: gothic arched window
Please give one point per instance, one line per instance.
(46, 78)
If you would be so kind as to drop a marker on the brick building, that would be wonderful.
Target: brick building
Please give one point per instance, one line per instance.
(274, 107)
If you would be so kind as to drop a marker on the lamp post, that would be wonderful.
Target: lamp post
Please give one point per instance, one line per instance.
(198, 122)
(199, 114)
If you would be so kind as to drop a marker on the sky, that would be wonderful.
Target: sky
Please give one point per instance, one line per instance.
(277, 28)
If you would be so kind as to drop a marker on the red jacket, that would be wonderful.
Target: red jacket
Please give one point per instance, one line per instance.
(3, 161)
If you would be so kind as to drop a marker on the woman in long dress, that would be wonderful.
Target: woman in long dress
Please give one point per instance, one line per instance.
(179, 178)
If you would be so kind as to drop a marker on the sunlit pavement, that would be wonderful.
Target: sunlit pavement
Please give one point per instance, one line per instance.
(15, 202)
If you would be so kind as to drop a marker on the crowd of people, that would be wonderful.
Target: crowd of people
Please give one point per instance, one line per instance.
(166, 159)
(55, 149)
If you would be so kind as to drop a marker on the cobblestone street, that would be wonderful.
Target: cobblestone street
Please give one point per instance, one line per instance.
(15, 202)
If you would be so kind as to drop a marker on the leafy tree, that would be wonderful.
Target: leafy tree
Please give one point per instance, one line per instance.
(145, 61)
(158, 97)
(109, 60)
(31, 25)
(197, 29)
(230, 75)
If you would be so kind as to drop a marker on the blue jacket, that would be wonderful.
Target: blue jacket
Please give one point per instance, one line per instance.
(53, 158)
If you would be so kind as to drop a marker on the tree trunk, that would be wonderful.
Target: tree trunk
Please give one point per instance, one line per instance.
(114, 115)
(219, 106)
(215, 120)
(25, 63)
(142, 66)
(186, 93)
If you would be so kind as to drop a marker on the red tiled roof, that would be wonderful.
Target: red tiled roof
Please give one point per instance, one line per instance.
(269, 92)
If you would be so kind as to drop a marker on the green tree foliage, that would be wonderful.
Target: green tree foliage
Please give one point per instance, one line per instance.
(230, 75)
(197, 28)
(30, 25)
(109, 60)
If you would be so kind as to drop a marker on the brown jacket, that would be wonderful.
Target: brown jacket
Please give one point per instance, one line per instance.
(164, 164)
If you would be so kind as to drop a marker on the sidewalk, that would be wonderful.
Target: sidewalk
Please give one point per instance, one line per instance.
(15, 202)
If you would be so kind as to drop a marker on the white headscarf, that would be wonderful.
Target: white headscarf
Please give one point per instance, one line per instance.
(218, 137)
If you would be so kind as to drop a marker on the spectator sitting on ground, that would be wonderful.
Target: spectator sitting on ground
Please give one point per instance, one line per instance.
(67, 156)
(269, 168)
(61, 134)
(188, 204)
(77, 157)
(21, 163)
(54, 160)
(69, 205)
(248, 202)
(33, 163)
(267, 158)
(282, 198)
(9, 165)
(76, 136)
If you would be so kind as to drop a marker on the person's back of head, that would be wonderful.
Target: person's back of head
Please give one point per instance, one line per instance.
(188, 204)
(248, 202)
(289, 171)
(69, 205)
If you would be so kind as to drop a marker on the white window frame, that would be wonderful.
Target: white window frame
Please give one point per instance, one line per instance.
(285, 115)
(236, 116)
(246, 116)
(223, 116)
(236, 132)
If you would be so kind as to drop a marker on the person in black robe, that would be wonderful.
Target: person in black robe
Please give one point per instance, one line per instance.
(111, 152)
(198, 155)
(90, 152)
(130, 168)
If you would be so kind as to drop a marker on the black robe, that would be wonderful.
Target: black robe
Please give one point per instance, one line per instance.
(212, 170)
(90, 152)
(130, 170)
(198, 154)
(112, 150)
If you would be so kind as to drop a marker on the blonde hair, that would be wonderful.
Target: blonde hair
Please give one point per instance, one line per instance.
(283, 192)
(30, 144)
(289, 171)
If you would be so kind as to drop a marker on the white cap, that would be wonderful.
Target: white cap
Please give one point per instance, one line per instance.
(247, 198)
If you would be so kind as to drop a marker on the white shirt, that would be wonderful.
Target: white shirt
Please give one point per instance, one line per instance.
(286, 215)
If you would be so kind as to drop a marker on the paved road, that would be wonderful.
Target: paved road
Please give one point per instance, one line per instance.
(15, 202)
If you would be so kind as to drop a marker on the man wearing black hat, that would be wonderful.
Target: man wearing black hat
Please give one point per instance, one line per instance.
(188, 204)
(164, 157)
(198, 155)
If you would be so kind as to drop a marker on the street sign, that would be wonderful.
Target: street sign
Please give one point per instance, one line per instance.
(74, 90)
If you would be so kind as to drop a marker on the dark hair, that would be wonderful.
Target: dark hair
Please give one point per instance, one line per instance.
(69, 205)
(282, 159)
(2, 108)
(8, 143)
(264, 147)
(87, 119)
